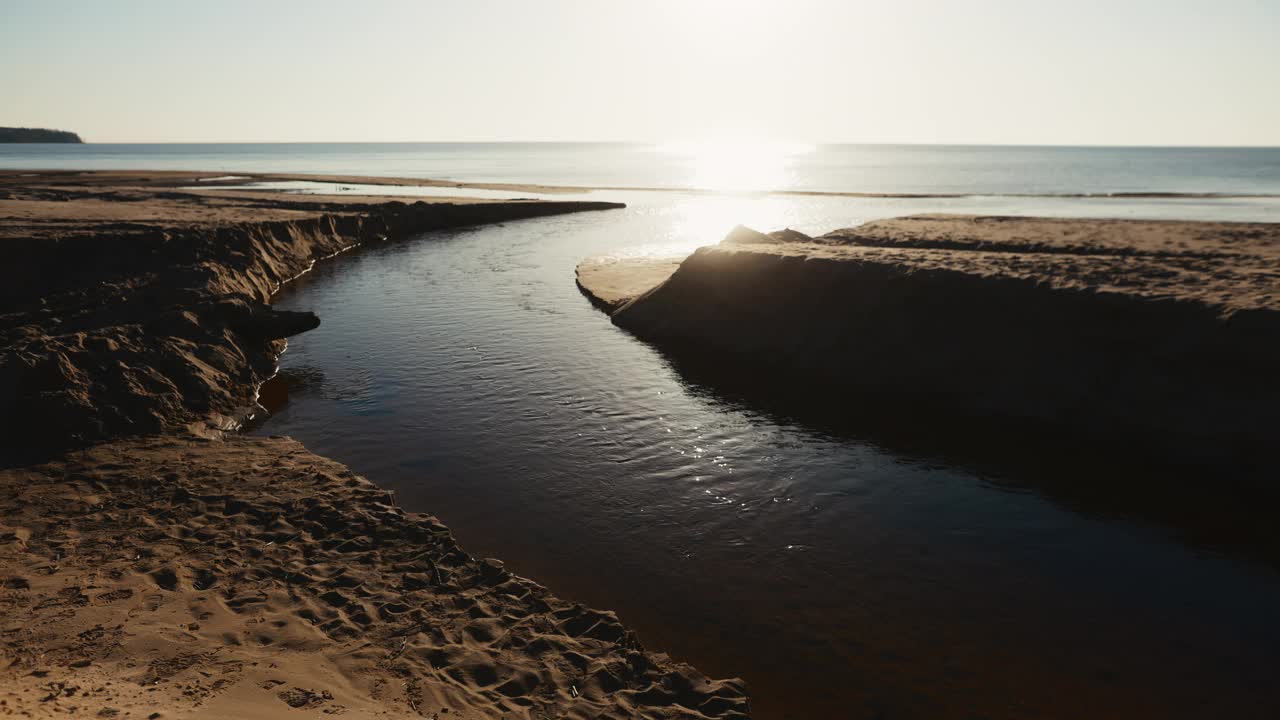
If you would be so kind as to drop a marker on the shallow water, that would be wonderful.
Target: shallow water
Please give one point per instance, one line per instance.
(465, 371)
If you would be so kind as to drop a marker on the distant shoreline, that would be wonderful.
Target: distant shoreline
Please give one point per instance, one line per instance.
(24, 135)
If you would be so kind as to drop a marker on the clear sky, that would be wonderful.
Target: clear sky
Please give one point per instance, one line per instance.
(1148, 72)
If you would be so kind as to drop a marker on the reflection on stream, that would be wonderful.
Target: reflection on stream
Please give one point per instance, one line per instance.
(840, 575)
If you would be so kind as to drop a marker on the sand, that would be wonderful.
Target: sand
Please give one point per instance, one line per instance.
(72, 203)
(1232, 266)
(1149, 339)
(154, 564)
(242, 577)
(611, 281)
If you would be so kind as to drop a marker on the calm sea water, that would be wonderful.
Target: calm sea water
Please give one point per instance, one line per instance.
(849, 168)
(842, 577)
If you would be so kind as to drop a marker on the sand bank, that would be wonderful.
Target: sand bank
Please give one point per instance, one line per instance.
(151, 563)
(1149, 338)
(610, 282)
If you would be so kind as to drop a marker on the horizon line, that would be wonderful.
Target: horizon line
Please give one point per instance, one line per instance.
(657, 142)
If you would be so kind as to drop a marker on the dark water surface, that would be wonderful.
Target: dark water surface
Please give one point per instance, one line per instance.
(465, 371)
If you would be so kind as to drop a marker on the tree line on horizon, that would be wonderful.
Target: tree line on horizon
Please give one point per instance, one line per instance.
(37, 135)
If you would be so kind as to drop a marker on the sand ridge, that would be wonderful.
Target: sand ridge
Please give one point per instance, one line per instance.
(1233, 266)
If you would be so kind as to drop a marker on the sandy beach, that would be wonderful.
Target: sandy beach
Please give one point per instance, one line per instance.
(155, 564)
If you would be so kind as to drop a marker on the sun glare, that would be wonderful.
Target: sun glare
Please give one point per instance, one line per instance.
(736, 164)
(695, 220)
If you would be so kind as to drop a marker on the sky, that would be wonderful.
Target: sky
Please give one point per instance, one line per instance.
(1084, 72)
